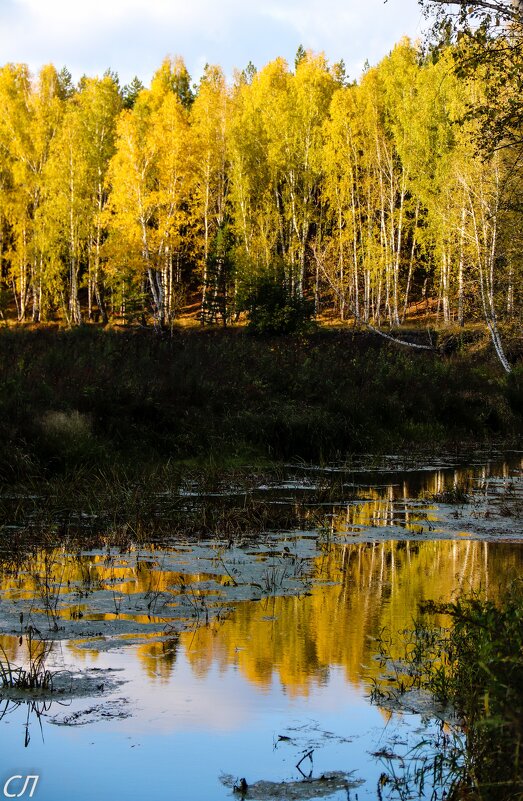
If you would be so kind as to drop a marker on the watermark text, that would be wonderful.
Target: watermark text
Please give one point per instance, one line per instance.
(14, 783)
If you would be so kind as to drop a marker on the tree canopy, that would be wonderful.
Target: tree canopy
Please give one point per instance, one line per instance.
(370, 200)
(488, 45)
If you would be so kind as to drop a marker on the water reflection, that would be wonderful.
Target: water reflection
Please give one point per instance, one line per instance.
(399, 479)
(153, 585)
(32, 712)
(300, 667)
(57, 571)
(359, 590)
(229, 688)
(385, 512)
(360, 500)
(158, 659)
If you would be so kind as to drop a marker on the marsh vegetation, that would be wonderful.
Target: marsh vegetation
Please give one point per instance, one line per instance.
(467, 655)
(116, 407)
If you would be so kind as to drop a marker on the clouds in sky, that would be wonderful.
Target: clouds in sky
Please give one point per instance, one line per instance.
(133, 36)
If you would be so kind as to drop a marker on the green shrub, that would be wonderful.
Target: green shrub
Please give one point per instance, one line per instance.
(273, 309)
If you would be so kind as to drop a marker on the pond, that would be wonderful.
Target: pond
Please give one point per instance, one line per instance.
(181, 668)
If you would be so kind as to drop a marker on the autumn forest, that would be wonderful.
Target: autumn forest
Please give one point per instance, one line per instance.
(367, 201)
(261, 354)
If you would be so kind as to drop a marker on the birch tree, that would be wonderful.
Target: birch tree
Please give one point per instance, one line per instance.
(150, 178)
(276, 141)
(208, 144)
(31, 116)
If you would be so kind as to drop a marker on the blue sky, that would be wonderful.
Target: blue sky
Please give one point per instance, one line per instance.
(133, 36)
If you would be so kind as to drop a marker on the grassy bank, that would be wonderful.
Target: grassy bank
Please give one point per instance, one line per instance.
(91, 397)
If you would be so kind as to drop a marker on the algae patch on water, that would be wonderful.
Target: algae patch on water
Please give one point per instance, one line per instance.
(325, 785)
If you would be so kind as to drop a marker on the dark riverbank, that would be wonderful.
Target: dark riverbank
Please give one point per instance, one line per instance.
(92, 397)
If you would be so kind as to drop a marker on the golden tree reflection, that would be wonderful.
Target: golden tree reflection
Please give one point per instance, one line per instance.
(361, 590)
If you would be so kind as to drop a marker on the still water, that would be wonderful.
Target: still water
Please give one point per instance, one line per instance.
(250, 692)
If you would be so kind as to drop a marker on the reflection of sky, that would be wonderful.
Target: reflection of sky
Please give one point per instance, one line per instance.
(222, 700)
(178, 741)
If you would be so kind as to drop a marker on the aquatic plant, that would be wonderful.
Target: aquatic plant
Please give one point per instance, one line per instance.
(474, 670)
(459, 494)
(49, 585)
(34, 675)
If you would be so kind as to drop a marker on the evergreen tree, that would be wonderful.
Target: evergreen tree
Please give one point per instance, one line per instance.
(131, 91)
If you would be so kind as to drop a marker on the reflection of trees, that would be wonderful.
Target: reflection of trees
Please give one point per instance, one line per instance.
(386, 501)
(362, 589)
(158, 658)
(22, 650)
(381, 512)
(13, 649)
(57, 572)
